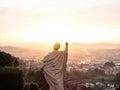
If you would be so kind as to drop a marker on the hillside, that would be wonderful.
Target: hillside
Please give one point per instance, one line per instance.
(102, 51)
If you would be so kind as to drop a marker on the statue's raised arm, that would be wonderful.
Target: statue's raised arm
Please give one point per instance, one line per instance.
(66, 44)
(66, 47)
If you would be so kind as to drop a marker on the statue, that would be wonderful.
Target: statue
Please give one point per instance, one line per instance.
(54, 67)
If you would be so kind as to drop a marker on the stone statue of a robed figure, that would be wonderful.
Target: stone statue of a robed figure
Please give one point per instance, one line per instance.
(54, 67)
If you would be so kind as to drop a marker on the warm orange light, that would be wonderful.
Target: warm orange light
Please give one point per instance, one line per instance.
(60, 31)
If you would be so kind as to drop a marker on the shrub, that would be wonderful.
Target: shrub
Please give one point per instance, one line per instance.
(40, 79)
(11, 78)
(30, 76)
(31, 86)
(7, 59)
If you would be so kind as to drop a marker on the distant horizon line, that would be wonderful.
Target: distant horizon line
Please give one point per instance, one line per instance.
(87, 43)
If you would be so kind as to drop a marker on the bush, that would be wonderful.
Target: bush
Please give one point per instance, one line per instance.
(31, 86)
(117, 79)
(7, 59)
(11, 78)
(30, 76)
(40, 79)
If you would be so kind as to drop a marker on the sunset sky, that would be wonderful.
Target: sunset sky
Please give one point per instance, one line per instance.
(86, 21)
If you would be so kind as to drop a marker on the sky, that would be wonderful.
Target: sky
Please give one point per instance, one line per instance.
(86, 21)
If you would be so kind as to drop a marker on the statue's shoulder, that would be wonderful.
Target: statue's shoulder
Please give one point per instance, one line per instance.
(49, 55)
(52, 54)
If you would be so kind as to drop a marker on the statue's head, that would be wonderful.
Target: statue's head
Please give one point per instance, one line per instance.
(56, 46)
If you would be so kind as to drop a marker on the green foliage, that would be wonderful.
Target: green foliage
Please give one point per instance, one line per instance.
(105, 77)
(76, 75)
(80, 75)
(11, 78)
(15, 62)
(7, 59)
(31, 86)
(40, 79)
(30, 76)
(95, 72)
(109, 64)
(117, 79)
(4, 70)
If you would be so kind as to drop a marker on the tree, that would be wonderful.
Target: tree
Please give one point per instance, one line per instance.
(30, 76)
(40, 79)
(95, 72)
(109, 64)
(117, 79)
(7, 59)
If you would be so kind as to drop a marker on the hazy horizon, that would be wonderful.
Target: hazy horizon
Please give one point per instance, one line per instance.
(49, 45)
(80, 21)
(77, 52)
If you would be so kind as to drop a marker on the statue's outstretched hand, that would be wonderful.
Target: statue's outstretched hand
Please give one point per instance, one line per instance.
(66, 44)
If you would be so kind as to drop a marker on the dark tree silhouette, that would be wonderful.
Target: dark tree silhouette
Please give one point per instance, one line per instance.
(40, 79)
(109, 64)
(117, 79)
(30, 76)
(7, 59)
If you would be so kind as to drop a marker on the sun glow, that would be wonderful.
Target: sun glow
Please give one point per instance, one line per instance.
(60, 31)
(60, 20)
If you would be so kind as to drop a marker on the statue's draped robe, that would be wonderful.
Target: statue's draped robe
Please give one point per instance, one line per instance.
(54, 69)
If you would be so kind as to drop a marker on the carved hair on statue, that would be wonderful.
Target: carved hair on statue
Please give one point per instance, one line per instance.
(56, 46)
